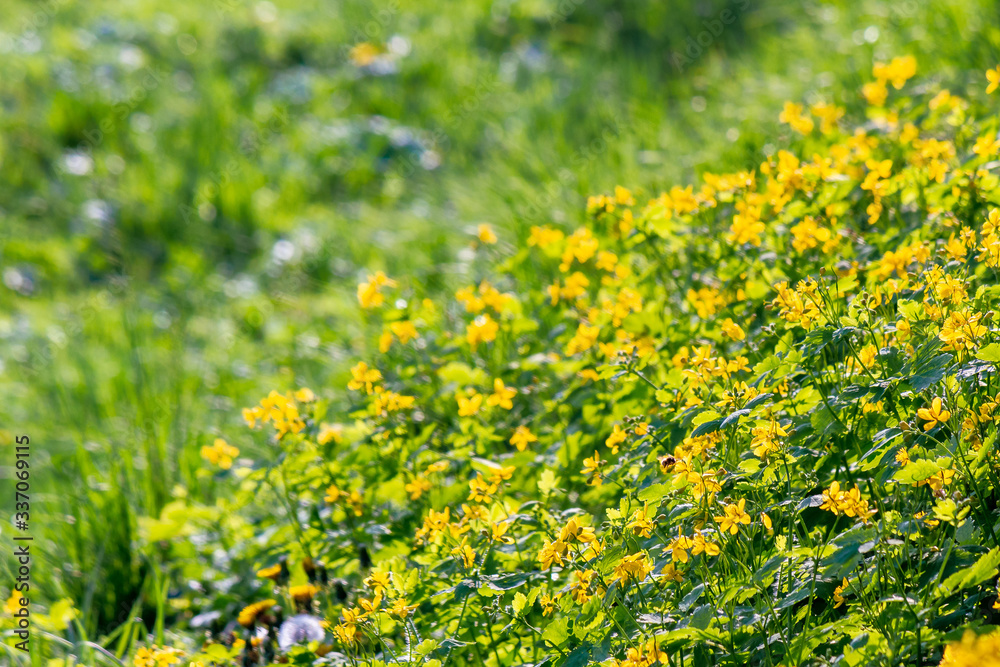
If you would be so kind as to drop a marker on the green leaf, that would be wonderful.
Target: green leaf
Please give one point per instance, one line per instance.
(734, 418)
(990, 352)
(707, 427)
(702, 616)
(555, 634)
(917, 471)
(653, 493)
(691, 597)
(983, 569)
(519, 603)
(508, 582)
(546, 482)
(580, 657)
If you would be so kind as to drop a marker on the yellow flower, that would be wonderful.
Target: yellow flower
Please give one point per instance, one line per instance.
(897, 72)
(303, 593)
(766, 438)
(378, 580)
(592, 468)
(417, 487)
(220, 453)
(732, 329)
(838, 597)
(640, 523)
(933, 415)
(15, 602)
(849, 503)
(251, 613)
(355, 501)
(580, 587)
(875, 93)
(794, 116)
(363, 54)
(522, 438)
(404, 330)
(502, 474)
(544, 236)
(574, 531)
(606, 260)
(679, 547)
(272, 572)
(552, 554)
(747, 227)
(700, 545)
(993, 76)
(363, 377)
(583, 340)
(346, 633)
(903, 329)
(481, 330)
(501, 395)
(670, 573)
(333, 494)
(732, 517)
(389, 401)
(370, 292)
(987, 145)
(498, 533)
(939, 480)
(616, 438)
(480, 490)
(485, 234)
(400, 609)
(973, 651)
(469, 405)
(329, 432)
(438, 466)
(633, 568)
(156, 656)
(465, 552)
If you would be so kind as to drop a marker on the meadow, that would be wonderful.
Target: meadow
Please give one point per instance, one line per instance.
(510, 333)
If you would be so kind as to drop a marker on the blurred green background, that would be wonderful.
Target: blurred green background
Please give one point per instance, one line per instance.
(190, 191)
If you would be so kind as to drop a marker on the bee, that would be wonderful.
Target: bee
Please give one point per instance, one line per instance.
(667, 462)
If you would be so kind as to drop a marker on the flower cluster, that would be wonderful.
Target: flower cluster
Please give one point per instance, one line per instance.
(746, 421)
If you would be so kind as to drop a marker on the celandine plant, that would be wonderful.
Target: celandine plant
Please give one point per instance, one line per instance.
(748, 422)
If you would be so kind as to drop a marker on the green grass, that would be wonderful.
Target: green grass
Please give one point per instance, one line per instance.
(143, 303)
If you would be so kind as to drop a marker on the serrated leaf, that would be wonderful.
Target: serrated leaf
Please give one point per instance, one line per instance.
(989, 352)
(917, 471)
(983, 569)
(556, 634)
(519, 603)
(653, 493)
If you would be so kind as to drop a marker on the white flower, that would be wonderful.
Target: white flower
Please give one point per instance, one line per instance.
(298, 629)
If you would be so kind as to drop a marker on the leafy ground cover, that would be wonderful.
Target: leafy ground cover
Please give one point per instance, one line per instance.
(689, 426)
(751, 422)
